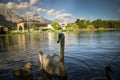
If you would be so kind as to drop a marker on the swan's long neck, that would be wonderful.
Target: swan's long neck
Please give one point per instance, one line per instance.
(62, 43)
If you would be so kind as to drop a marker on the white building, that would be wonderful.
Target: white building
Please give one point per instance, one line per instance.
(50, 27)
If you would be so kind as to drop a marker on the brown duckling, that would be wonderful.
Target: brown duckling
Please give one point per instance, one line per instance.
(24, 72)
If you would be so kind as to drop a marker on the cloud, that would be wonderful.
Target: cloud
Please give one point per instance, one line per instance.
(22, 6)
(58, 15)
(41, 10)
(119, 10)
(12, 6)
(52, 12)
(17, 7)
(32, 16)
(65, 18)
(28, 14)
(1, 6)
(19, 0)
(32, 2)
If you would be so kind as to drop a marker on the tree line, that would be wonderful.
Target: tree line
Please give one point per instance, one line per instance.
(90, 25)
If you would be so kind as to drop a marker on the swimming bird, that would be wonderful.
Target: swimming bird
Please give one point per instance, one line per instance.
(53, 64)
(23, 72)
(107, 71)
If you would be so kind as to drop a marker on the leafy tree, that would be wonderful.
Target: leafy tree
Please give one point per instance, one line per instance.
(90, 27)
(55, 25)
(97, 23)
(34, 27)
(82, 23)
(77, 21)
(117, 24)
(74, 26)
(68, 25)
(105, 24)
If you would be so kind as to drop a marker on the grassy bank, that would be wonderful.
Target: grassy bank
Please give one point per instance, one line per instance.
(62, 30)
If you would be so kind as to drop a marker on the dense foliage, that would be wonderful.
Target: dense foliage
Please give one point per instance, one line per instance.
(98, 23)
(55, 25)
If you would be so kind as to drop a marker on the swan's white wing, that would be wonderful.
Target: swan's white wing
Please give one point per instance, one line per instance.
(50, 63)
(55, 58)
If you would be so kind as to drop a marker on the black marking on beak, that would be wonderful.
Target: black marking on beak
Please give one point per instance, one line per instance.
(58, 41)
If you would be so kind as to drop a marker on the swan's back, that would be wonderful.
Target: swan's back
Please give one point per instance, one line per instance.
(51, 64)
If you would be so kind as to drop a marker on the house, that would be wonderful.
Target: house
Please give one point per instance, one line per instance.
(63, 25)
(28, 25)
(50, 27)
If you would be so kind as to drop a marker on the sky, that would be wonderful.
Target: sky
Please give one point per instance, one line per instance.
(65, 10)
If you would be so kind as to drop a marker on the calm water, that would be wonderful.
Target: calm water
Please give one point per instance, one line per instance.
(86, 54)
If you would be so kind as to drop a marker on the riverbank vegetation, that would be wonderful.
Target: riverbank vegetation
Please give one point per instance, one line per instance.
(86, 25)
(78, 25)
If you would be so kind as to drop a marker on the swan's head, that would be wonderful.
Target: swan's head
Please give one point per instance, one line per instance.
(60, 37)
(41, 52)
(108, 69)
(28, 66)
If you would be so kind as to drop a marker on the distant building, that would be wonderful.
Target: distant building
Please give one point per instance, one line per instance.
(63, 25)
(50, 27)
(25, 25)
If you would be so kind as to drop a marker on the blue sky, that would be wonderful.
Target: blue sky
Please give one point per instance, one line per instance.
(65, 10)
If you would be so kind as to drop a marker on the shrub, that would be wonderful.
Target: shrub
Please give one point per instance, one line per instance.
(90, 28)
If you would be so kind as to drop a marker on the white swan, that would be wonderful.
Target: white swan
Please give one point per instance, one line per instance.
(107, 71)
(53, 63)
(23, 72)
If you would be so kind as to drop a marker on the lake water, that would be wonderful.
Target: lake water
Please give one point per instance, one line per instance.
(86, 54)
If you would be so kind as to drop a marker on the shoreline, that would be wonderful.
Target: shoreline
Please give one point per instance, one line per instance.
(80, 30)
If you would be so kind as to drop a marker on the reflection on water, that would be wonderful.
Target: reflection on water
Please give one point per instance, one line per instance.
(21, 41)
(86, 54)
